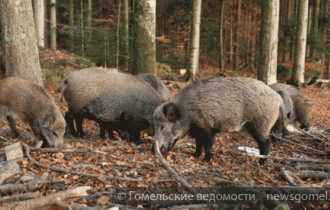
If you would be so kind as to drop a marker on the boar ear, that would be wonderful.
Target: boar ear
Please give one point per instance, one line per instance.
(171, 111)
(49, 121)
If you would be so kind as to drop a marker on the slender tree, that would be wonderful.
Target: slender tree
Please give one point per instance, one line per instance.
(20, 48)
(89, 23)
(268, 41)
(39, 12)
(238, 30)
(53, 24)
(221, 59)
(123, 36)
(71, 23)
(300, 48)
(144, 40)
(194, 40)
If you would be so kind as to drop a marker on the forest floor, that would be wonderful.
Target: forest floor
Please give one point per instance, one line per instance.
(121, 159)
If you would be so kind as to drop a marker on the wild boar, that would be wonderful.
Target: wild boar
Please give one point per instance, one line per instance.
(120, 101)
(21, 99)
(302, 107)
(211, 105)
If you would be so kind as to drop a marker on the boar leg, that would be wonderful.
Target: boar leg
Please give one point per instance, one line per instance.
(261, 138)
(79, 120)
(134, 134)
(204, 138)
(69, 123)
(12, 125)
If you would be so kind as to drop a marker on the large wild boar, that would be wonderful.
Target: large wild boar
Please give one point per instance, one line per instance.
(116, 100)
(211, 105)
(29, 102)
(302, 107)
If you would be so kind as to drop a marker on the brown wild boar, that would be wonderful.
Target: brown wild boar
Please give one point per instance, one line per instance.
(302, 107)
(211, 105)
(21, 99)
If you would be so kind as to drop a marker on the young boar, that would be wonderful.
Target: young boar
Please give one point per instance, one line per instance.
(116, 100)
(302, 107)
(29, 102)
(211, 105)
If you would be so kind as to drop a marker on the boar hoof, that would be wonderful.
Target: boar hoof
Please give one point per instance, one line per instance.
(197, 154)
(207, 159)
(138, 142)
(82, 135)
(262, 161)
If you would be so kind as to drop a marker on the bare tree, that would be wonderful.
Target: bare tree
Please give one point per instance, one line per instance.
(194, 40)
(144, 41)
(53, 24)
(123, 36)
(268, 41)
(39, 19)
(300, 48)
(19, 40)
(71, 23)
(221, 59)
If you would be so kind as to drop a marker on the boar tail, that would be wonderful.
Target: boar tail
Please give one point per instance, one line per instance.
(63, 84)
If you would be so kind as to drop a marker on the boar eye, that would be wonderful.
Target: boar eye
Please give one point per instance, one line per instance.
(55, 134)
(161, 127)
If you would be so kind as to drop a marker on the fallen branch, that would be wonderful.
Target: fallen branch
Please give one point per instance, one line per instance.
(287, 177)
(7, 170)
(48, 200)
(312, 174)
(16, 198)
(315, 167)
(290, 159)
(26, 148)
(12, 188)
(171, 171)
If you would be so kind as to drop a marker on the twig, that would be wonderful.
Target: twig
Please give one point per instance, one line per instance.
(171, 171)
(3, 138)
(287, 177)
(26, 148)
(309, 134)
(38, 203)
(12, 188)
(16, 198)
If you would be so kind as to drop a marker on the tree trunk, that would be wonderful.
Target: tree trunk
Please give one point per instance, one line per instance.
(82, 28)
(194, 40)
(300, 48)
(19, 41)
(221, 59)
(71, 23)
(39, 19)
(123, 36)
(144, 41)
(89, 24)
(238, 30)
(315, 25)
(268, 41)
(53, 24)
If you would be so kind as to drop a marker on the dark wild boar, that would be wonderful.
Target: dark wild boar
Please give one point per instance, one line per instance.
(116, 100)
